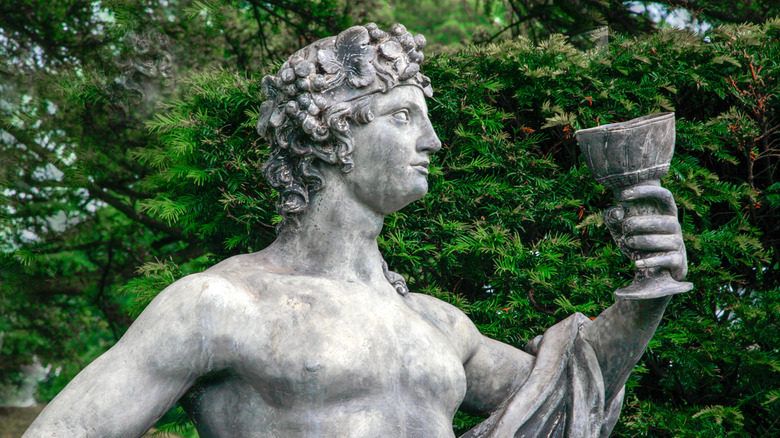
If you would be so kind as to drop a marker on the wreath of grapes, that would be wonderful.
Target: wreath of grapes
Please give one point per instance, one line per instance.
(357, 62)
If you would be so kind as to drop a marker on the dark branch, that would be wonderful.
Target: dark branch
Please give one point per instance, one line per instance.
(131, 212)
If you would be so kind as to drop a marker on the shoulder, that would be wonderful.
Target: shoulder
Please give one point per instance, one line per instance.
(437, 309)
(196, 293)
(220, 294)
(242, 289)
(179, 326)
(233, 280)
(188, 307)
(458, 327)
(210, 312)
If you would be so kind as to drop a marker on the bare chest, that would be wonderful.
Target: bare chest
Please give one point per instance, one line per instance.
(328, 363)
(319, 350)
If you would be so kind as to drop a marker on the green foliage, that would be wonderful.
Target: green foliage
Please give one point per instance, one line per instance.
(208, 163)
(155, 184)
(522, 241)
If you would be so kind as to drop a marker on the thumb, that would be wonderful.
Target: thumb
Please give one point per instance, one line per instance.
(613, 218)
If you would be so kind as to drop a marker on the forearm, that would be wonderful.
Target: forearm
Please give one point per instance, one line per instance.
(620, 335)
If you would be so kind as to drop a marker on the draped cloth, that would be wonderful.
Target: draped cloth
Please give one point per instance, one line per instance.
(563, 395)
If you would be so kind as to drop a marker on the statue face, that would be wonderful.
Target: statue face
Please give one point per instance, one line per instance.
(392, 153)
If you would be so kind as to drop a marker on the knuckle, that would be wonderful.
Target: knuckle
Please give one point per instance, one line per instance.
(629, 226)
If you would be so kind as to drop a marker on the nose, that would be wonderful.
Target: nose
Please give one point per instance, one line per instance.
(428, 142)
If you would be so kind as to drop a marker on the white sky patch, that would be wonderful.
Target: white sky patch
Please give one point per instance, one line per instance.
(28, 236)
(680, 18)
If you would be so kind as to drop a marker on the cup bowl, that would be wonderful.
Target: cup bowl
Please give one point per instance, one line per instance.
(623, 154)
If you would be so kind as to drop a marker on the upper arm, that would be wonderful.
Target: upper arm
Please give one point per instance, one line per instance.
(124, 391)
(493, 372)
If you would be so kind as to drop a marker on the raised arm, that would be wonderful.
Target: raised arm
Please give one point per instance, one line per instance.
(571, 386)
(126, 390)
(621, 333)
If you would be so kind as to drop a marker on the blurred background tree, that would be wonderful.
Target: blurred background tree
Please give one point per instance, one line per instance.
(128, 159)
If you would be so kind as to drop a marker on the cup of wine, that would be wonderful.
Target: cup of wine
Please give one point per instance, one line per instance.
(627, 154)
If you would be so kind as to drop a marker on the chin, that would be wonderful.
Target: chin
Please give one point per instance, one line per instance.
(418, 189)
(412, 195)
(417, 193)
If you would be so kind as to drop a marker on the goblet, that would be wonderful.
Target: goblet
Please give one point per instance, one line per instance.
(625, 155)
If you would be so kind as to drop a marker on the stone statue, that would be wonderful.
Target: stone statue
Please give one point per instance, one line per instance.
(314, 336)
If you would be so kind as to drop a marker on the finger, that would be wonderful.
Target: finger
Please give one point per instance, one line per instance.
(644, 192)
(672, 262)
(651, 225)
(654, 243)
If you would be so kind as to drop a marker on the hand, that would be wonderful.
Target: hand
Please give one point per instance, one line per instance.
(642, 235)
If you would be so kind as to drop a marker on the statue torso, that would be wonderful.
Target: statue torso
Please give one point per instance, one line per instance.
(307, 356)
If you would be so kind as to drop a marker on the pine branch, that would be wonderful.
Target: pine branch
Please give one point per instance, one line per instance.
(125, 190)
(520, 20)
(131, 212)
(81, 247)
(716, 14)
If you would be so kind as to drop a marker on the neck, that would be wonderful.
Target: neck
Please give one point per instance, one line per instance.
(336, 237)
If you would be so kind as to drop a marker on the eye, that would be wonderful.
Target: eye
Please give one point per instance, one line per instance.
(401, 116)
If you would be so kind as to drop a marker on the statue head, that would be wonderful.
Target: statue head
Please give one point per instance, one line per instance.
(318, 94)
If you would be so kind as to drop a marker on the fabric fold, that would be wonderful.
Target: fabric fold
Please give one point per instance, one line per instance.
(563, 395)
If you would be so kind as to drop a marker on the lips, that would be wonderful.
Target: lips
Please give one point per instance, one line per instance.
(421, 167)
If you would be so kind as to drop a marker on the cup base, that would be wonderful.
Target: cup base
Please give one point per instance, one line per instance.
(652, 287)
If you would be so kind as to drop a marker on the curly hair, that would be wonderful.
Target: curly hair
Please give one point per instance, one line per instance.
(292, 166)
(319, 93)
